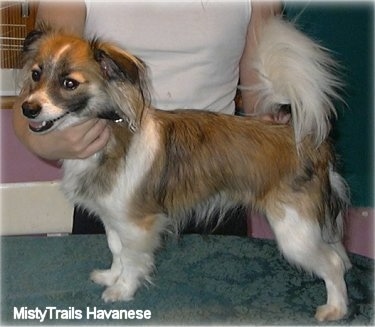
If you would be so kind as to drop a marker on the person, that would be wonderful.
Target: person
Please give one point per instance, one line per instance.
(196, 52)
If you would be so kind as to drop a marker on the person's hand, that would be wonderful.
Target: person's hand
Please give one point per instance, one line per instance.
(279, 118)
(75, 142)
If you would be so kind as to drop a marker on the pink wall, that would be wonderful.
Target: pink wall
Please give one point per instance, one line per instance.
(17, 163)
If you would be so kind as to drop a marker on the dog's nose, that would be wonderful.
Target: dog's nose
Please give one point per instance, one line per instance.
(31, 109)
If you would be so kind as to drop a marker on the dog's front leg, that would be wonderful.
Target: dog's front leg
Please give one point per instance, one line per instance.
(132, 245)
(108, 277)
(137, 270)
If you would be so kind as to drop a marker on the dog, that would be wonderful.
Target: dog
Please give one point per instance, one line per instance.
(161, 167)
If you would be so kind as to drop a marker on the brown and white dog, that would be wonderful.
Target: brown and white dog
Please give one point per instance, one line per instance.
(160, 167)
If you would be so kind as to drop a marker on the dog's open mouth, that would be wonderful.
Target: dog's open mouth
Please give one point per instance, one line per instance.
(39, 127)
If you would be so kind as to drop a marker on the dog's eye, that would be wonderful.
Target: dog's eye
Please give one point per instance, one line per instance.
(70, 84)
(35, 75)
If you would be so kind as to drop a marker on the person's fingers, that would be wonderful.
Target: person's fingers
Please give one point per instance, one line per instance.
(279, 118)
(99, 137)
(82, 140)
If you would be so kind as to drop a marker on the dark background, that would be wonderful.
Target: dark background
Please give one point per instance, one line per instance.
(347, 28)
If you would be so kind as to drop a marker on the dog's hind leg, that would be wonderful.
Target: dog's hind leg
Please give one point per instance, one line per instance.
(300, 240)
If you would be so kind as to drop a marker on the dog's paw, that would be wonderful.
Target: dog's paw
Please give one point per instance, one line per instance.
(104, 277)
(329, 312)
(118, 292)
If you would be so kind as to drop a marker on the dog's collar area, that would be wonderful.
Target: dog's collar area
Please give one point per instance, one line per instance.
(112, 116)
(120, 120)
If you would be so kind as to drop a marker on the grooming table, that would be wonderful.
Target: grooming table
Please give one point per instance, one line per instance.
(198, 280)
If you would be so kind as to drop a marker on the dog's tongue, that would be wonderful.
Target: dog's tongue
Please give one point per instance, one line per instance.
(38, 127)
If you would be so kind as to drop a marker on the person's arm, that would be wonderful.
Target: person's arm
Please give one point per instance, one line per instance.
(260, 13)
(68, 15)
(75, 142)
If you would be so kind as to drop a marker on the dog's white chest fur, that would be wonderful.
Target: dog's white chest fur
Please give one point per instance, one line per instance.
(128, 177)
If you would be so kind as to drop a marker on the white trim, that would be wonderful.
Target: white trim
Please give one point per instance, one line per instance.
(9, 82)
(34, 208)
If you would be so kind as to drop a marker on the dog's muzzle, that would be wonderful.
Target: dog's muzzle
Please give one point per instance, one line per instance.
(31, 110)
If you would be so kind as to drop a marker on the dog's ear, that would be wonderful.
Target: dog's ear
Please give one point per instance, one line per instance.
(30, 45)
(117, 64)
(30, 39)
(128, 78)
(35, 35)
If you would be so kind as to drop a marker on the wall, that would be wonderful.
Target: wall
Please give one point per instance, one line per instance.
(31, 201)
(18, 164)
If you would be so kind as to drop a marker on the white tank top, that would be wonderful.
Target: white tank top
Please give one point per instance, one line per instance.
(192, 49)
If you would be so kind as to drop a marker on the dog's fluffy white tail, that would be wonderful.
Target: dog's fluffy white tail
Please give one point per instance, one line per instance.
(294, 70)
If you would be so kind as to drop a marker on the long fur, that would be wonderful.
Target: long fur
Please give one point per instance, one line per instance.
(161, 168)
(295, 71)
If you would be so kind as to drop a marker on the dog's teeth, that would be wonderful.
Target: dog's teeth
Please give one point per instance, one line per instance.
(44, 125)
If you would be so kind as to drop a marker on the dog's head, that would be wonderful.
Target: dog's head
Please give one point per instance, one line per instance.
(69, 79)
